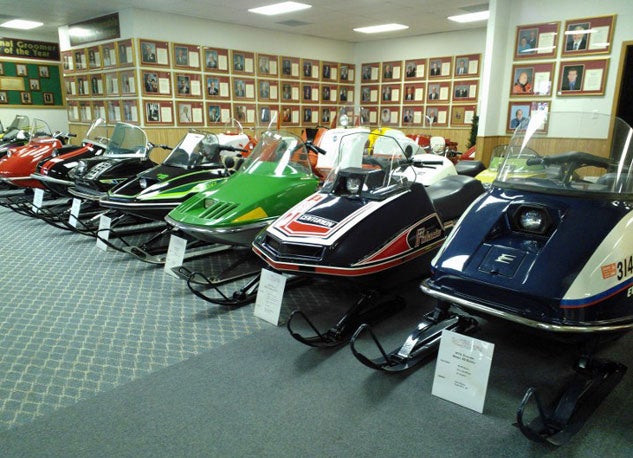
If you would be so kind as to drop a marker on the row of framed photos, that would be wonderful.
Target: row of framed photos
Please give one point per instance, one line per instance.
(576, 77)
(181, 56)
(421, 92)
(197, 113)
(461, 66)
(581, 37)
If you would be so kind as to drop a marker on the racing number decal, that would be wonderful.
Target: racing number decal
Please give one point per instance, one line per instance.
(625, 267)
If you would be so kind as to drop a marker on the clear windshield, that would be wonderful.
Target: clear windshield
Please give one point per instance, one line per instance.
(371, 165)
(570, 153)
(127, 140)
(39, 128)
(196, 148)
(19, 123)
(278, 153)
(98, 133)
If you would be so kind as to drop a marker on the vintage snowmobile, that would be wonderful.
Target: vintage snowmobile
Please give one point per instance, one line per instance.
(199, 158)
(515, 257)
(54, 172)
(371, 220)
(19, 162)
(15, 134)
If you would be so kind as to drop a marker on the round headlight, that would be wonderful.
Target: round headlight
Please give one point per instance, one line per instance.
(532, 220)
(352, 185)
(344, 120)
(81, 168)
(143, 183)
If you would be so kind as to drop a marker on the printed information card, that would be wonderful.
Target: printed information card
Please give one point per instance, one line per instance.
(462, 370)
(269, 296)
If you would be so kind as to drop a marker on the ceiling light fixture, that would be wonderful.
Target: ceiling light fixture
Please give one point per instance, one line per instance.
(470, 17)
(21, 24)
(381, 28)
(280, 8)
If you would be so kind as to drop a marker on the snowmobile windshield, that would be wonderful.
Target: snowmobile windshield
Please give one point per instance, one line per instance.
(196, 148)
(278, 154)
(19, 124)
(127, 141)
(372, 166)
(98, 133)
(570, 153)
(39, 128)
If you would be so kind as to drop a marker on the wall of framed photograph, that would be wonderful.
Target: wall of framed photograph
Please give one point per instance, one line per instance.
(32, 84)
(582, 77)
(536, 41)
(587, 36)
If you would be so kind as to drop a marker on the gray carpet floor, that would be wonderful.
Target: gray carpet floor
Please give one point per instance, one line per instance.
(248, 391)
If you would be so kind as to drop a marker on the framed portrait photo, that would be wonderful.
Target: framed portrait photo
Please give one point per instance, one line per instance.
(536, 41)
(153, 52)
(582, 77)
(587, 36)
(532, 79)
(216, 60)
(186, 56)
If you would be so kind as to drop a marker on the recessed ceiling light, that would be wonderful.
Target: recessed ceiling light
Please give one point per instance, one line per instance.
(471, 17)
(381, 28)
(22, 24)
(280, 8)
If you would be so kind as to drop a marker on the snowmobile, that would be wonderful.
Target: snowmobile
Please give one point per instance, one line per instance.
(199, 158)
(15, 134)
(373, 219)
(54, 172)
(19, 162)
(515, 257)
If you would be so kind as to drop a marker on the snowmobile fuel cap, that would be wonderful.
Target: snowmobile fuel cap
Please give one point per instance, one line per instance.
(502, 261)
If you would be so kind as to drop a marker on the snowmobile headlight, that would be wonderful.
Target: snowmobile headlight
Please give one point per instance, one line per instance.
(353, 184)
(142, 183)
(81, 168)
(533, 220)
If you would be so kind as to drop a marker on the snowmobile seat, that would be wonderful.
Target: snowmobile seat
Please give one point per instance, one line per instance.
(453, 194)
(469, 168)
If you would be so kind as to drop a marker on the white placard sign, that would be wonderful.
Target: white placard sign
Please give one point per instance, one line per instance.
(38, 200)
(74, 212)
(103, 232)
(269, 296)
(462, 370)
(175, 254)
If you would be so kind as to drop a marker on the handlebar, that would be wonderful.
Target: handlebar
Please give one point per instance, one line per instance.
(232, 148)
(315, 148)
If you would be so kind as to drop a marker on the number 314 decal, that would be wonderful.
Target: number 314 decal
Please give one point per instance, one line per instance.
(625, 267)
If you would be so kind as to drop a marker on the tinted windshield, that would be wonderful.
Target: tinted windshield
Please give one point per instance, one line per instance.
(373, 163)
(19, 123)
(570, 153)
(127, 140)
(196, 148)
(278, 153)
(39, 128)
(98, 133)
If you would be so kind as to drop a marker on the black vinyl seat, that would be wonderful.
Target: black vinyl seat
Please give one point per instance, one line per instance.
(453, 194)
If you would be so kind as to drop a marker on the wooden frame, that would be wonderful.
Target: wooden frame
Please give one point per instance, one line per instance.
(96, 85)
(94, 57)
(440, 67)
(153, 53)
(267, 65)
(586, 36)
(415, 69)
(187, 84)
(217, 87)
(125, 52)
(436, 115)
(528, 107)
(79, 57)
(329, 93)
(413, 93)
(216, 60)
(218, 113)
(370, 72)
(99, 109)
(346, 93)
(190, 113)
(369, 94)
(245, 113)
(289, 91)
(48, 98)
(158, 112)
(127, 80)
(266, 113)
(242, 62)
(113, 108)
(4, 99)
(369, 114)
(290, 115)
(111, 83)
(389, 93)
(391, 71)
(267, 90)
(438, 92)
(310, 92)
(465, 90)
(532, 79)
(130, 110)
(83, 88)
(346, 73)
(590, 77)
(242, 88)
(289, 67)
(329, 72)
(309, 115)
(156, 83)
(310, 69)
(536, 41)
(68, 64)
(462, 115)
(108, 55)
(467, 66)
(389, 115)
(186, 56)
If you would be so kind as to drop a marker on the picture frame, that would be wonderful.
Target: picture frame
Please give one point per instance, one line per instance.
(99, 109)
(216, 60)
(127, 82)
(462, 115)
(72, 108)
(514, 119)
(245, 113)
(190, 113)
(266, 114)
(467, 66)
(370, 72)
(42, 70)
(158, 112)
(267, 65)
(415, 69)
(68, 65)
(438, 92)
(155, 83)
(346, 93)
(330, 72)
(389, 93)
(96, 85)
(413, 93)
(289, 67)
(436, 115)
(21, 70)
(125, 52)
(329, 93)
(242, 62)
(407, 116)
(217, 87)
(187, 84)
(130, 110)
(310, 69)
(2, 69)
(289, 91)
(218, 113)
(85, 111)
(532, 79)
(267, 90)
(113, 109)
(369, 114)
(389, 115)
(152, 53)
(290, 115)
(25, 98)
(310, 92)
(242, 88)
(440, 67)
(112, 87)
(186, 56)
(582, 77)
(309, 115)
(34, 84)
(587, 36)
(79, 56)
(108, 55)
(94, 57)
(4, 98)
(536, 41)
(370, 94)
(391, 71)
(346, 73)
(465, 90)
(83, 86)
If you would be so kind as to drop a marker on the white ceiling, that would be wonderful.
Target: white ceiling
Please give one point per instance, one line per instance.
(327, 18)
